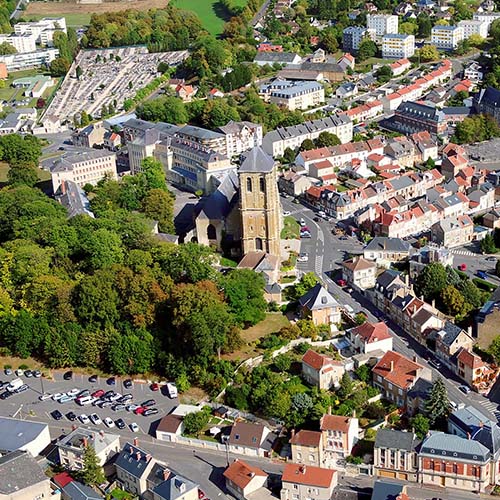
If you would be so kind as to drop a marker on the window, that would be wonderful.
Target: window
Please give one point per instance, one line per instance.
(211, 232)
(258, 244)
(295, 486)
(249, 184)
(262, 183)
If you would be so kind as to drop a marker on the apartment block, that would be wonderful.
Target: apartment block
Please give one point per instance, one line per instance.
(293, 95)
(27, 60)
(353, 36)
(22, 43)
(447, 37)
(396, 46)
(83, 167)
(42, 30)
(488, 17)
(474, 27)
(383, 24)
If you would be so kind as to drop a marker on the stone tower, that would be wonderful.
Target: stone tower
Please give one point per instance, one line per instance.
(259, 203)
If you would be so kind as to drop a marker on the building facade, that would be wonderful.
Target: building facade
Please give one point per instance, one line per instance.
(396, 46)
(383, 24)
(447, 37)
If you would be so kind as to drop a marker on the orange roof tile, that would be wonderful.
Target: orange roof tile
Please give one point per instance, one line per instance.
(307, 438)
(372, 332)
(397, 369)
(241, 474)
(335, 423)
(316, 360)
(308, 475)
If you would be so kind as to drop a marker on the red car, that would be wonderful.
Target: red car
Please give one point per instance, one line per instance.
(304, 228)
(341, 282)
(140, 410)
(155, 387)
(98, 393)
(462, 267)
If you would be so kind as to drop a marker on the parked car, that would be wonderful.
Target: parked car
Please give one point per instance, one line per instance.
(134, 427)
(462, 267)
(118, 407)
(125, 398)
(341, 282)
(305, 234)
(148, 403)
(73, 392)
(465, 389)
(303, 257)
(482, 275)
(5, 394)
(286, 213)
(150, 411)
(302, 222)
(7, 371)
(155, 386)
(83, 393)
(95, 419)
(139, 410)
(67, 399)
(44, 396)
(23, 388)
(19, 372)
(84, 419)
(57, 396)
(68, 375)
(435, 364)
(56, 415)
(93, 379)
(108, 394)
(120, 423)
(111, 381)
(71, 416)
(97, 394)
(127, 384)
(491, 259)
(108, 422)
(37, 374)
(132, 407)
(28, 373)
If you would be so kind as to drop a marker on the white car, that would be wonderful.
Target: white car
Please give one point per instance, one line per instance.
(132, 407)
(109, 422)
(45, 396)
(115, 397)
(303, 257)
(84, 419)
(19, 373)
(286, 213)
(73, 392)
(58, 395)
(96, 419)
(134, 427)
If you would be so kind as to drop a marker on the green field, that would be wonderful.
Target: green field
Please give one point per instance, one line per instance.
(43, 175)
(212, 14)
(76, 20)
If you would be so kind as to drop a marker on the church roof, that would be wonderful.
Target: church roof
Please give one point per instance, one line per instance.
(257, 160)
(218, 205)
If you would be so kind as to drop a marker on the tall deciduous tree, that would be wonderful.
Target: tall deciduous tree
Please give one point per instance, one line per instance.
(431, 280)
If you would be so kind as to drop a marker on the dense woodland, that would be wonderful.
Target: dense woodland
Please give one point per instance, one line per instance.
(104, 293)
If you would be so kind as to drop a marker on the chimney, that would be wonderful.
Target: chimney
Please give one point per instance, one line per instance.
(353, 413)
(148, 457)
(131, 450)
(468, 435)
(481, 424)
(302, 469)
(136, 442)
(138, 455)
(166, 474)
(392, 366)
(293, 433)
(407, 280)
(252, 474)
(434, 303)
(330, 410)
(414, 358)
(469, 330)
(85, 442)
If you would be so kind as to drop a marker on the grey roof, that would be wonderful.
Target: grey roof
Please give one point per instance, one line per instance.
(457, 110)
(202, 152)
(78, 491)
(401, 182)
(319, 125)
(450, 333)
(388, 438)
(198, 133)
(218, 205)
(488, 435)
(387, 278)
(233, 127)
(19, 470)
(439, 444)
(74, 200)
(75, 440)
(383, 243)
(67, 162)
(322, 67)
(318, 298)
(295, 88)
(383, 490)
(421, 111)
(16, 434)
(272, 57)
(257, 160)
(489, 96)
(133, 460)
(421, 389)
(174, 487)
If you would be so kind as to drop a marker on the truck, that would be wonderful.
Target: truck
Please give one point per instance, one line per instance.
(172, 390)
(15, 384)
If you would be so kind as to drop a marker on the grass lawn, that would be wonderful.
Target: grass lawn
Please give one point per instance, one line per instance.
(291, 229)
(120, 494)
(76, 20)
(210, 12)
(43, 175)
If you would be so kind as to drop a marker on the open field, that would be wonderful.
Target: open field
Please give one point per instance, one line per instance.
(73, 20)
(43, 175)
(78, 14)
(212, 15)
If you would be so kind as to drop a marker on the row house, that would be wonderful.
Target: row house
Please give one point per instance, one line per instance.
(365, 111)
(475, 372)
(453, 231)
(482, 198)
(339, 435)
(449, 340)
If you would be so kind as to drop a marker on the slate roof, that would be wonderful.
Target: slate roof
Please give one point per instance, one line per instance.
(389, 438)
(133, 460)
(489, 96)
(488, 435)
(257, 160)
(451, 332)
(318, 298)
(19, 470)
(383, 243)
(383, 490)
(387, 278)
(442, 445)
(199, 133)
(468, 419)
(220, 203)
(67, 162)
(273, 57)
(75, 200)
(78, 491)
(174, 487)
(16, 434)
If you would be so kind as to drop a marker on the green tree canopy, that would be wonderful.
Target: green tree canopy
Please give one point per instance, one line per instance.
(437, 405)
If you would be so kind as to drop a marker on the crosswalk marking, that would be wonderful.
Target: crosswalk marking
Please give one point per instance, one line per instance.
(463, 252)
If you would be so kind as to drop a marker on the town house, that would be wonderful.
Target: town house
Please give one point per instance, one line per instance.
(340, 434)
(321, 371)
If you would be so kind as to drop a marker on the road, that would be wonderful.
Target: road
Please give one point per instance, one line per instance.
(326, 251)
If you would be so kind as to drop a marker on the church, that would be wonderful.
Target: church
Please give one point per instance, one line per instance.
(243, 216)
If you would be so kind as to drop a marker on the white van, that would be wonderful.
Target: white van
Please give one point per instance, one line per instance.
(86, 400)
(15, 384)
(172, 390)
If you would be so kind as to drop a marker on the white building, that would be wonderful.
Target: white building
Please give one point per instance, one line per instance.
(488, 17)
(22, 43)
(87, 166)
(353, 36)
(27, 60)
(383, 24)
(396, 46)
(276, 141)
(447, 37)
(42, 30)
(473, 72)
(474, 27)
(23, 435)
(241, 137)
(293, 95)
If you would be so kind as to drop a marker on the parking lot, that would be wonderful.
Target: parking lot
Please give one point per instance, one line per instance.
(28, 405)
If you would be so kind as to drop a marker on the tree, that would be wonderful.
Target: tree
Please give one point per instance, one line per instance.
(431, 280)
(497, 268)
(84, 119)
(158, 204)
(437, 405)
(428, 53)
(367, 48)
(22, 175)
(363, 372)
(282, 362)
(6, 49)
(494, 349)
(476, 40)
(384, 74)
(168, 109)
(424, 25)
(453, 301)
(59, 66)
(307, 144)
(329, 40)
(346, 386)
(92, 473)
(196, 421)
(421, 425)
(487, 244)
(408, 28)
(306, 282)
(327, 139)
(244, 292)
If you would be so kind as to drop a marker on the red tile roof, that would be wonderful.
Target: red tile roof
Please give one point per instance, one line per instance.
(334, 423)
(241, 474)
(316, 360)
(397, 369)
(62, 479)
(308, 475)
(307, 438)
(470, 359)
(372, 332)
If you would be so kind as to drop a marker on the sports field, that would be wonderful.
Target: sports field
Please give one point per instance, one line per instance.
(212, 14)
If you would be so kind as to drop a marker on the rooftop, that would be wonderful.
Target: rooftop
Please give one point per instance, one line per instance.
(397, 369)
(19, 470)
(241, 474)
(308, 475)
(17, 434)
